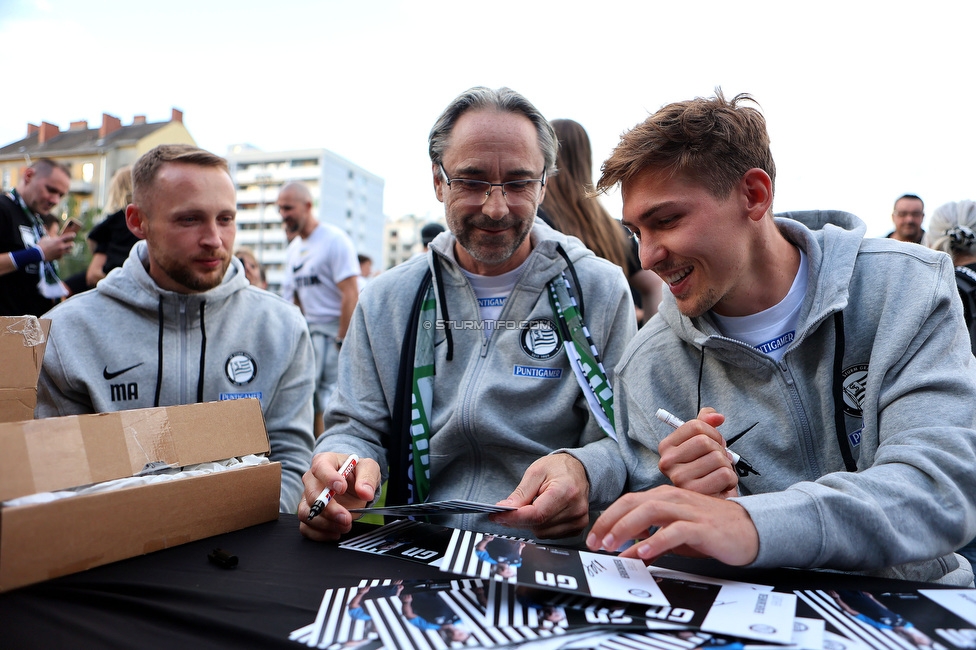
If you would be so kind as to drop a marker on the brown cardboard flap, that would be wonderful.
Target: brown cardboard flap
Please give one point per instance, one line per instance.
(17, 404)
(22, 343)
(58, 453)
(47, 540)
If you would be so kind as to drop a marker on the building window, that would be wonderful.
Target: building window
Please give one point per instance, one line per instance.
(88, 172)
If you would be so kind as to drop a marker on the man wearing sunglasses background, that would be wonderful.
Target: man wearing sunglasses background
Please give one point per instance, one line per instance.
(455, 377)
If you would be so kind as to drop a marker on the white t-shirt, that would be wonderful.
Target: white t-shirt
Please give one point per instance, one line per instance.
(313, 268)
(492, 291)
(770, 331)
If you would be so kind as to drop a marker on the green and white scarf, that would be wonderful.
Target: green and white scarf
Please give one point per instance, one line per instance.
(50, 285)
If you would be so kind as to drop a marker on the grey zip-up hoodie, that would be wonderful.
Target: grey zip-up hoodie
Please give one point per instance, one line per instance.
(129, 344)
(907, 380)
(494, 412)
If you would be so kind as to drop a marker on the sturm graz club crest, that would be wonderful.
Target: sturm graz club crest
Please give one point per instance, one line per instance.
(240, 368)
(855, 379)
(539, 339)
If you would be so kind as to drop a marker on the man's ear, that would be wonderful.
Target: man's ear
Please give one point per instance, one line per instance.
(440, 185)
(757, 193)
(134, 218)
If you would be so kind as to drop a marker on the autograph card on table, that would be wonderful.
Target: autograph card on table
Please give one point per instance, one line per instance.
(890, 620)
(433, 508)
(961, 602)
(757, 616)
(437, 618)
(547, 567)
(408, 540)
(520, 605)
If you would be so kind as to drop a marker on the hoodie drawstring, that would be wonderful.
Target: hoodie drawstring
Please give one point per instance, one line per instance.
(159, 353)
(203, 353)
(442, 300)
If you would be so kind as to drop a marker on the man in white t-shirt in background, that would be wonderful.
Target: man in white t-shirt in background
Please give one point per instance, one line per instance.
(321, 276)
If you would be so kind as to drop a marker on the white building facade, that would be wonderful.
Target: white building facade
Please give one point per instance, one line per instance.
(343, 194)
(402, 239)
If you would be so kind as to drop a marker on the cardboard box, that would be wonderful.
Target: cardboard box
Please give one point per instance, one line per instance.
(22, 342)
(47, 540)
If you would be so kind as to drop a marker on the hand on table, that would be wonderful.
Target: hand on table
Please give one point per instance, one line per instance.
(553, 498)
(354, 492)
(691, 524)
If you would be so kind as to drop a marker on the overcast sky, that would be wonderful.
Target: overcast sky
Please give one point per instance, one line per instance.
(865, 101)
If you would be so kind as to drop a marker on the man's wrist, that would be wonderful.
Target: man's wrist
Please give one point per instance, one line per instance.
(30, 255)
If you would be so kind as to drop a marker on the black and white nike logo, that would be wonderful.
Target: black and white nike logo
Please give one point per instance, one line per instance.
(113, 375)
(296, 269)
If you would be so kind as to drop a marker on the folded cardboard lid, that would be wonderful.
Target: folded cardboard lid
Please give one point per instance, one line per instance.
(22, 342)
(57, 453)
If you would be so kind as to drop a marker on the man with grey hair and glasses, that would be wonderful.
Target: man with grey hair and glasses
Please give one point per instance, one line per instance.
(480, 370)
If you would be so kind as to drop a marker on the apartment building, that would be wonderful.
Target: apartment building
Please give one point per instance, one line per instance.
(92, 154)
(401, 238)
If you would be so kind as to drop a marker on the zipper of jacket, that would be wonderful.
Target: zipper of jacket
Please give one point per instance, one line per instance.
(787, 376)
(183, 348)
(476, 380)
(469, 395)
(807, 437)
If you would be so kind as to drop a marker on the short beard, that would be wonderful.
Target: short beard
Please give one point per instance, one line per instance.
(194, 282)
(490, 255)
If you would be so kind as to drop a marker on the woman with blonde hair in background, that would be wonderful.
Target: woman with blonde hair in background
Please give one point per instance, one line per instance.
(253, 270)
(570, 207)
(952, 230)
(110, 239)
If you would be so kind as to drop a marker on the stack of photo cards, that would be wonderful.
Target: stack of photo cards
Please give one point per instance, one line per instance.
(404, 614)
(758, 615)
(542, 597)
(435, 508)
(479, 555)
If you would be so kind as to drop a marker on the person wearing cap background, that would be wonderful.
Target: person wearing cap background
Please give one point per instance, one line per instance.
(428, 232)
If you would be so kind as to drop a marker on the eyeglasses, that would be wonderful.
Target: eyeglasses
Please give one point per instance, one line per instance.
(515, 192)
